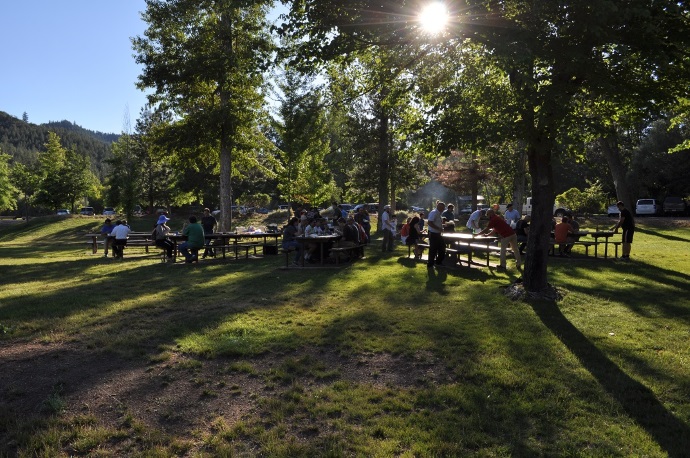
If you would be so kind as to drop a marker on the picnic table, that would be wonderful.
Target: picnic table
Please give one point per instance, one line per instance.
(469, 243)
(321, 240)
(225, 241)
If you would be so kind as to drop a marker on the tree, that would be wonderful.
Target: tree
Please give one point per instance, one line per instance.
(8, 200)
(205, 61)
(64, 176)
(555, 56)
(462, 172)
(26, 180)
(303, 176)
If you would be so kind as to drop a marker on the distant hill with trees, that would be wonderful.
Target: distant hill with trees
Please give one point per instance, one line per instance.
(23, 141)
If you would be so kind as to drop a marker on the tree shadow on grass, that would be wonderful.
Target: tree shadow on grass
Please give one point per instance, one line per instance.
(663, 236)
(636, 399)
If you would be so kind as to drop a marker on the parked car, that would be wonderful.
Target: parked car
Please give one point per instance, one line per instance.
(109, 211)
(372, 207)
(613, 210)
(647, 207)
(88, 211)
(416, 209)
(262, 210)
(674, 206)
(63, 212)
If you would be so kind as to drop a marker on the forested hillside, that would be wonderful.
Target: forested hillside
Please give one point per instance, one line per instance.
(23, 140)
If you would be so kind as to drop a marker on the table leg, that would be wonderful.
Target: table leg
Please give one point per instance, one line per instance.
(606, 248)
(94, 246)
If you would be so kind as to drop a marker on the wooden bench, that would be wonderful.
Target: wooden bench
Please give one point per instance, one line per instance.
(423, 246)
(553, 245)
(351, 251)
(237, 248)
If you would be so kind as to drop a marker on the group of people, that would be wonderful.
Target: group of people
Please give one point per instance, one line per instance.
(115, 236)
(194, 233)
(351, 229)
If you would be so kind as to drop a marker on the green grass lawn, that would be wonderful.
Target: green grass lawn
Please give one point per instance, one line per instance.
(379, 358)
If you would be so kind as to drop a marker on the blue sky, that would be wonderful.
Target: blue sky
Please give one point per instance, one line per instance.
(71, 60)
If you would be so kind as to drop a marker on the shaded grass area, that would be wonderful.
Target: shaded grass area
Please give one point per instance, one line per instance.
(381, 358)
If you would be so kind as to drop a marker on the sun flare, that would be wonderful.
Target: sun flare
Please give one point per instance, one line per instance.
(434, 18)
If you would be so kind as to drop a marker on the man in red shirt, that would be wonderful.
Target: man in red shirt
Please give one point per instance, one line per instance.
(507, 236)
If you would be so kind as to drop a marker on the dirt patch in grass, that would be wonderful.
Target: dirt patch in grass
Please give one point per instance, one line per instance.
(178, 395)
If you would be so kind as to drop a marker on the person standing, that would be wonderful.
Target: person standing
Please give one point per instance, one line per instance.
(448, 214)
(209, 223)
(195, 240)
(627, 223)
(473, 221)
(437, 247)
(388, 228)
(497, 225)
(511, 215)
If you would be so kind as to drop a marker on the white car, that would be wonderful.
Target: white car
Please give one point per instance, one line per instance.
(612, 210)
(647, 207)
(109, 211)
(63, 212)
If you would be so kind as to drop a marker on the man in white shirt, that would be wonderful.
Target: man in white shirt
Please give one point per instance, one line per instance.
(388, 228)
(473, 221)
(120, 233)
(437, 247)
(511, 216)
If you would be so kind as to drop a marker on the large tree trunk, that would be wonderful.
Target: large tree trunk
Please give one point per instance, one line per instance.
(536, 262)
(227, 134)
(519, 180)
(384, 170)
(609, 146)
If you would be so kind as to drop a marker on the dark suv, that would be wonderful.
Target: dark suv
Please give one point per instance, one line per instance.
(674, 205)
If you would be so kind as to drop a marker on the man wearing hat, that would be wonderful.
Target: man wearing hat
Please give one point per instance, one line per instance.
(388, 228)
(160, 236)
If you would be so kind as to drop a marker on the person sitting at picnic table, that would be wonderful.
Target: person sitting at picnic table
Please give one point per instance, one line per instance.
(160, 237)
(311, 230)
(195, 240)
(362, 218)
(497, 225)
(560, 233)
(414, 238)
(209, 223)
(290, 242)
(522, 232)
(120, 234)
(105, 233)
(473, 221)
